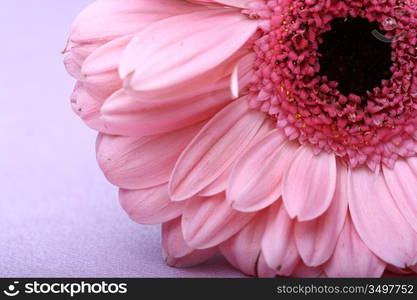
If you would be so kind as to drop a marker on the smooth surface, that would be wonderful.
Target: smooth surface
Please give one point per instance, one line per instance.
(58, 215)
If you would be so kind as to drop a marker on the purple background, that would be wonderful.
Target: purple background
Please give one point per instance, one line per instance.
(58, 214)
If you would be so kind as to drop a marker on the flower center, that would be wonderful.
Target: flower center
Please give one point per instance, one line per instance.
(353, 57)
(339, 75)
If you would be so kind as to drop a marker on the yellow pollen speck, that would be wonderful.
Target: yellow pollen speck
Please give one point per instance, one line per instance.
(367, 133)
(291, 100)
(284, 23)
(297, 116)
(282, 89)
(334, 127)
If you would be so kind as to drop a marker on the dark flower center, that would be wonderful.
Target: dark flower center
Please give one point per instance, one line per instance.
(353, 57)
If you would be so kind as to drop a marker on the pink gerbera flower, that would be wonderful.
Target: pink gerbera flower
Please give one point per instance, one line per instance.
(280, 132)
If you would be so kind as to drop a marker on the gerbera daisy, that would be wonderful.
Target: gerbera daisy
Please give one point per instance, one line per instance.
(281, 133)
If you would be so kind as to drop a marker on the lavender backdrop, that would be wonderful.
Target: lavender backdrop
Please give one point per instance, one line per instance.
(58, 215)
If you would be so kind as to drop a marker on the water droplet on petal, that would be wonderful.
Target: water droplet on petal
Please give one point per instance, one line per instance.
(389, 24)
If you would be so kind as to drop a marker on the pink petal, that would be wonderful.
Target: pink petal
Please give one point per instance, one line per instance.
(263, 270)
(378, 220)
(316, 239)
(234, 83)
(255, 182)
(217, 186)
(220, 184)
(87, 107)
(245, 70)
(75, 55)
(402, 182)
(102, 85)
(233, 3)
(244, 248)
(138, 163)
(176, 252)
(352, 258)
(173, 240)
(150, 205)
(214, 149)
(309, 184)
(303, 271)
(99, 71)
(242, 74)
(106, 58)
(202, 88)
(202, 2)
(207, 222)
(124, 115)
(278, 245)
(215, 79)
(187, 47)
(193, 259)
(106, 20)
